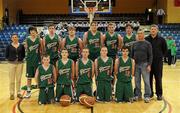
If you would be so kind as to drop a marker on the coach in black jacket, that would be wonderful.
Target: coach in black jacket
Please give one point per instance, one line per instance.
(159, 49)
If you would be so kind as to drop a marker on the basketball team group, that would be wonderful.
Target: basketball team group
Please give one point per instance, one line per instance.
(68, 65)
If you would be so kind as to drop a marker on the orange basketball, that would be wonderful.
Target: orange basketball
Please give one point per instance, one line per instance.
(82, 97)
(89, 101)
(65, 100)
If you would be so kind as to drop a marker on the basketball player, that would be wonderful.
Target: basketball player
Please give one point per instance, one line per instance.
(129, 38)
(45, 78)
(51, 44)
(72, 43)
(112, 40)
(124, 70)
(33, 45)
(65, 70)
(92, 40)
(103, 68)
(84, 74)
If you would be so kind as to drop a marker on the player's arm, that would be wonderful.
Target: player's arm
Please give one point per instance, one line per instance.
(25, 44)
(80, 44)
(57, 70)
(92, 69)
(43, 44)
(72, 70)
(102, 39)
(77, 68)
(59, 43)
(133, 67)
(63, 43)
(54, 74)
(36, 76)
(115, 70)
(111, 67)
(85, 39)
(120, 42)
(96, 67)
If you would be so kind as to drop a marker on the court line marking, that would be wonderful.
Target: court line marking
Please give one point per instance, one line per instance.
(14, 106)
(166, 103)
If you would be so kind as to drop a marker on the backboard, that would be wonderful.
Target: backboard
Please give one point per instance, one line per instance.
(78, 6)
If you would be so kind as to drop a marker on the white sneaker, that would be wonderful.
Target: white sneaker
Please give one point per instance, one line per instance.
(28, 94)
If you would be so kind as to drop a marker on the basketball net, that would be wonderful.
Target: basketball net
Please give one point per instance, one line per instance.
(90, 11)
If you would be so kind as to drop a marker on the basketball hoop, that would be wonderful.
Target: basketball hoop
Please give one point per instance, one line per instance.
(90, 11)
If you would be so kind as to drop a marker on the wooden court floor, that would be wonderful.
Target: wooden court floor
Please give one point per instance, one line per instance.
(170, 104)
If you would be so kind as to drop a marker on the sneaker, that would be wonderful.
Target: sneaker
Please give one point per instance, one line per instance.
(146, 100)
(12, 97)
(136, 98)
(28, 94)
(159, 98)
(19, 96)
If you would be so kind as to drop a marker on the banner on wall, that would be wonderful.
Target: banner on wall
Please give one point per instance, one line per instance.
(177, 3)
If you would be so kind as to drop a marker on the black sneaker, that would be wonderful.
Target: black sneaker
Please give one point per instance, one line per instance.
(159, 98)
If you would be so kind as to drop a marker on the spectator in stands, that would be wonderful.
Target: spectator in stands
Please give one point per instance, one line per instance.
(15, 53)
(160, 15)
(159, 48)
(142, 54)
(173, 54)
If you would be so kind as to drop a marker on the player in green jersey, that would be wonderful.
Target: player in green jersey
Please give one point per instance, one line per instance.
(103, 69)
(51, 44)
(33, 45)
(45, 79)
(72, 43)
(124, 70)
(93, 40)
(84, 74)
(65, 70)
(112, 40)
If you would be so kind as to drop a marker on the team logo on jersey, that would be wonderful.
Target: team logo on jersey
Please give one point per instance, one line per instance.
(72, 47)
(94, 41)
(50, 45)
(84, 71)
(105, 69)
(64, 71)
(34, 47)
(45, 77)
(125, 70)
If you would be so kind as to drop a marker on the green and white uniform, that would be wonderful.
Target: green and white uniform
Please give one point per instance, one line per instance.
(124, 90)
(112, 44)
(46, 84)
(93, 43)
(103, 79)
(64, 81)
(51, 46)
(84, 81)
(73, 48)
(128, 41)
(33, 56)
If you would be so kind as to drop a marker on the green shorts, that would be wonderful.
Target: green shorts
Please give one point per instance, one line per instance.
(31, 70)
(46, 95)
(124, 91)
(104, 91)
(83, 89)
(63, 90)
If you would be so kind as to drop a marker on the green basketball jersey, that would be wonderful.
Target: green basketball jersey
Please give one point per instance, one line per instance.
(84, 72)
(112, 44)
(33, 50)
(127, 41)
(104, 69)
(73, 48)
(45, 78)
(64, 72)
(93, 43)
(51, 46)
(124, 70)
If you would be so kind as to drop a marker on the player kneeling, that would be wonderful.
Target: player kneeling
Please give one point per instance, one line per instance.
(45, 78)
(124, 70)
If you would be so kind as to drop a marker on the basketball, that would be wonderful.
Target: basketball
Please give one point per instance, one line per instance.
(89, 101)
(65, 100)
(82, 97)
